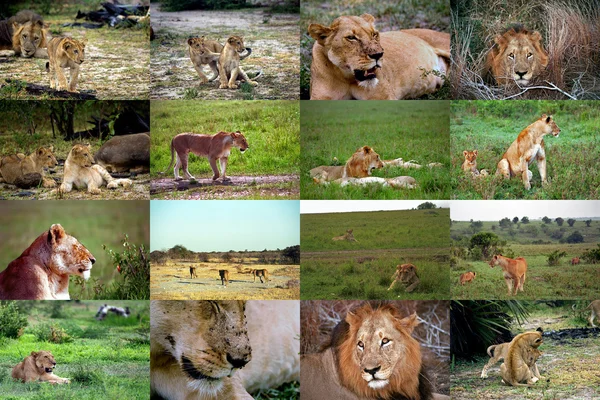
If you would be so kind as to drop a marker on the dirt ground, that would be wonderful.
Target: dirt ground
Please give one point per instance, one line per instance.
(274, 39)
(257, 187)
(172, 282)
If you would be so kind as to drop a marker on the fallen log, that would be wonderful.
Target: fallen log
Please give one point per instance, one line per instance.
(38, 90)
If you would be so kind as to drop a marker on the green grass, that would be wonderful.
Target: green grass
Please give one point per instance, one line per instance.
(93, 223)
(271, 128)
(410, 130)
(490, 127)
(363, 269)
(111, 363)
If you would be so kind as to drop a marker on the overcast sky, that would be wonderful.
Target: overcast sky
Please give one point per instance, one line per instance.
(494, 210)
(331, 206)
(223, 225)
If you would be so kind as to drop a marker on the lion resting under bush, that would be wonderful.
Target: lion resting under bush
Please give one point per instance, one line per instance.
(37, 367)
(352, 60)
(371, 355)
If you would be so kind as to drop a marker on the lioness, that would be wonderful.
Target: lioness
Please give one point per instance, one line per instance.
(214, 350)
(193, 272)
(349, 236)
(215, 147)
(575, 260)
(467, 277)
(42, 271)
(81, 172)
(24, 33)
(595, 307)
(207, 52)
(406, 274)
(261, 273)
(229, 64)
(65, 52)
(224, 275)
(16, 169)
(352, 60)
(37, 367)
(528, 147)
(520, 361)
(517, 56)
(515, 271)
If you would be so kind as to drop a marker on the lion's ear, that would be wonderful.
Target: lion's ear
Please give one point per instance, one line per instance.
(535, 36)
(51, 148)
(500, 40)
(544, 116)
(549, 119)
(367, 149)
(34, 353)
(352, 319)
(409, 323)
(465, 153)
(189, 42)
(475, 152)
(319, 33)
(368, 17)
(56, 233)
(84, 42)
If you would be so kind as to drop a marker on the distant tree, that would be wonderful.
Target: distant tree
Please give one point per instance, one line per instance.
(574, 237)
(515, 220)
(532, 230)
(493, 227)
(476, 226)
(571, 221)
(588, 223)
(557, 234)
(226, 257)
(426, 206)
(547, 220)
(486, 242)
(559, 221)
(293, 253)
(203, 257)
(504, 223)
(525, 220)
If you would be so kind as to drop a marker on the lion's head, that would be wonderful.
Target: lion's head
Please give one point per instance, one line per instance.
(44, 157)
(237, 42)
(81, 155)
(74, 49)
(239, 141)
(517, 56)
(196, 44)
(407, 272)
(28, 37)
(470, 156)
(547, 125)
(68, 256)
(376, 354)
(44, 361)
(352, 44)
(207, 339)
(363, 162)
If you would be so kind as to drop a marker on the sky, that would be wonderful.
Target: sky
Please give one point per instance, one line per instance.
(332, 206)
(223, 225)
(495, 210)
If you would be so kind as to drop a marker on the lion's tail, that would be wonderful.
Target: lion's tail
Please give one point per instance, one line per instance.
(172, 158)
(490, 350)
(258, 74)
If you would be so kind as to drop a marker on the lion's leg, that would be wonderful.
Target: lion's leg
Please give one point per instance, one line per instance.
(62, 80)
(509, 284)
(243, 75)
(233, 77)
(503, 168)
(541, 163)
(223, 162)
(74, 77)
(214, 69)
(260, 277)
(203, 78)
(66, 186)
(522, 282)
(592, 319)
(222, 77)
(52, 74)
(413, 286)
(492, 361)
(392, 285)
(48, 182)
(183, 160)
(525, 175)
(213, 165)
(536, 371)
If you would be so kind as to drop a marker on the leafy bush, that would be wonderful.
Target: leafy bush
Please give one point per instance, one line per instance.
(592, 256)
(133, 264)
(555, 256)
(574, 237)
(51, 332)
(12, 321)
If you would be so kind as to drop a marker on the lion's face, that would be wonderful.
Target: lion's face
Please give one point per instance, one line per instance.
(75, 49)
(207, 339)
(352, 44)
(29, 37)
(44, 361)
(494, 261)
(549, 127)
(240, 141)
(470, 156)
(407, 272)
(68, 255)
(519, 56)
(45, 157)
(81, 155)
(196, 44)
(237, 42)
(363, 162)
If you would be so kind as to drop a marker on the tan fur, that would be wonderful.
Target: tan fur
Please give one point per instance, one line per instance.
(229, 64)
(204, 332)
(361, 164)
(528, 147)
(352, 60)
(517, 57)
(467, 277)
(69, 53)
(81, 172)
(520, 361)
(349, 236)
(25, 33)
(42, 271)
(515, 271)
(37, 367)
(193, 272)
(406, 275)
(595, 307)
(261, 273)
(575, 260)
(224, 274)
(470, 163)
(499, 353)
(199, 56)
(15, 167)
(125, 153)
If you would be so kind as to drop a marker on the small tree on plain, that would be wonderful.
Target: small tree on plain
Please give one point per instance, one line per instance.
(559, 221)
(571, 221)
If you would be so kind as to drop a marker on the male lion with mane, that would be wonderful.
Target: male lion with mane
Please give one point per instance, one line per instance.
(37, 367)
(371, 355)
(213, 350)
(25, 34)
(361, 164)
(352, 60)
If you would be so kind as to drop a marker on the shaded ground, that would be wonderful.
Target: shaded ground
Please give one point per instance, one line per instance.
(262, 187)
(172, 282)
(274, 39)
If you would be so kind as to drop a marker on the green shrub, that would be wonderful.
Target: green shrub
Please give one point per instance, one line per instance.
(86, 376)
(592, 256)
(12, 321)
(555, 256)
(51, 332)
(133, 264)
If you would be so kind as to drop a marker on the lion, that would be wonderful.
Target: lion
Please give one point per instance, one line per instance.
(497, 352)
(349, 236)
(467, 277)
(515, 271)
(520, 362)
(214, 147)
(37, 367)
(595, 307)
(193, 272)
(125, 153)
(65, 52)
(17, 169)
(517, 56)
(407, 275)
(575, 260)
(470, 163)
(352, 60)
(81, 172)
(42, 271)
(371, 355)
(214, 350)
(360, 165)
(229, 64)
(261, 273)
(207, 52)
(26, 34)
(528, 147)
(224, 274)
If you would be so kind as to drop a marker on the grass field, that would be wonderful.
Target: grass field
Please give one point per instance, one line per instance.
(93, 223)
(271, 128)
(364, 269)
(490, 127)
(107, 359)
(342, 127)
(543, 281)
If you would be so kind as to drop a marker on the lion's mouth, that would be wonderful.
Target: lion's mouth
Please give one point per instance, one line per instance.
(48, 370)
(188, 367)
(377, 383)
(362, 75)
(522, 82)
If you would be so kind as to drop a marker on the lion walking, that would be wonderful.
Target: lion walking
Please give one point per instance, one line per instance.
(193, 272)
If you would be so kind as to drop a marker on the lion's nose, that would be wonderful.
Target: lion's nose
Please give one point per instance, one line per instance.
(376, 56)
(521, 74)
(93, 260)
(372, 371)
(237, 362)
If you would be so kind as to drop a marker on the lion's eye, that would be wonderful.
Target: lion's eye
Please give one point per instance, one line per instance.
(361, 345)
(351, 37)
(384, 341)
(511, 56)
(529, 55)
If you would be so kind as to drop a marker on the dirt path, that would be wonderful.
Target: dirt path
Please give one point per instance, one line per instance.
(274, 39)
(271, 186)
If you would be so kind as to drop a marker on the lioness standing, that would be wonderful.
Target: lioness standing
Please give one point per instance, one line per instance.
(216, 147)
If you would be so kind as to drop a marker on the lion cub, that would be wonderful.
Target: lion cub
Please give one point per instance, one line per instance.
(80, 172)
(65, 52)
(467, 277)
(207, 52)
(229, 64)
(26, 171)
(470, 164)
